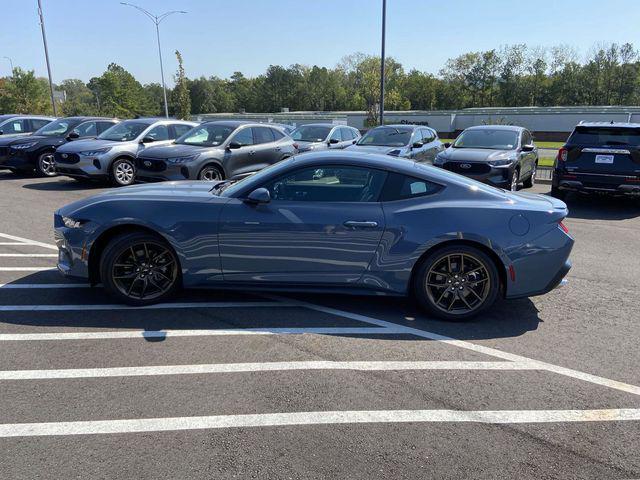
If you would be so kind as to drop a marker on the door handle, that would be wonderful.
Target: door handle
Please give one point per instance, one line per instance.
(356, 224)
(278, 149)
(252, 152)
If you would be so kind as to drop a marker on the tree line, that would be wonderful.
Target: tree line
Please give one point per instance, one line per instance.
(511, 76)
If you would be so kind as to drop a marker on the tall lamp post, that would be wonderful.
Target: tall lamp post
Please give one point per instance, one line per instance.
(384, 22)
(46, 55)
(157, 19)
(10, 63)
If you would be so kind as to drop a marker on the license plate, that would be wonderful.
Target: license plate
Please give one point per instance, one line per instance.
(604, 158)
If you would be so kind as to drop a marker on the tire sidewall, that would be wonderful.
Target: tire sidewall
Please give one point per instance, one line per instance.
(114, 165)
(210, 167)
(419, 282)
(39, 171)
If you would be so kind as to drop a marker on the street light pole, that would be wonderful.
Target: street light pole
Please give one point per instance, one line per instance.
(157, 19)
(10, 63)
(382, 58)
(46, 54)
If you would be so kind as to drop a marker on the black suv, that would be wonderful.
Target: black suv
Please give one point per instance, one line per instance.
(599, 158)
(34, 153)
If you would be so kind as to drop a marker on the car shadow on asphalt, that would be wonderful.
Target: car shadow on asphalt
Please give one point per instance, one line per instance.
(63, 185)
(602, 207)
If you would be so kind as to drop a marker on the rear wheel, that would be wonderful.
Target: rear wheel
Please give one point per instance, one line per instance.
(211, 173)
(45, 166)
(456, 283)
(123, 172)
(139, 269)
(531, 181)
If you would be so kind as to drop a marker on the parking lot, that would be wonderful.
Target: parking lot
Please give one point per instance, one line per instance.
(250, 385)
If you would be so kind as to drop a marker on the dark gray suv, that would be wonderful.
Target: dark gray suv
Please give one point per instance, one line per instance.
(324, 136)
(216, 150)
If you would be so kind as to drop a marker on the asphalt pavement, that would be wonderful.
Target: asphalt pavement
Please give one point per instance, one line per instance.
(248, 385)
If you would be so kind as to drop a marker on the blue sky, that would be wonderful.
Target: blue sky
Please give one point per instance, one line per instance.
(218, 37)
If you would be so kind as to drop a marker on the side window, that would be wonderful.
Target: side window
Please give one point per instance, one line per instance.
(336, 135)
(180, 129)
(102, 126)
(262, 135)
(14, 126)
(159, 133)
(86, 129)
(38, 123)
(348, 134)
(244, 137)
(329, 184)
(417, 136)
(527, 139)
(277, 134)
(399, 187)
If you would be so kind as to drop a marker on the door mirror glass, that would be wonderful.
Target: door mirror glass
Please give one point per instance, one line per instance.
(447, 144)
(234, 145)
(259, 196)
(73, 135)
(334, 141)
(527, 148)
(147, 140)
(417, 145)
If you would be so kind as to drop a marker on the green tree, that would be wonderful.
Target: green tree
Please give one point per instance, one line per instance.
(79, 99)
(119, 94)
(24, 93)
(182, 100)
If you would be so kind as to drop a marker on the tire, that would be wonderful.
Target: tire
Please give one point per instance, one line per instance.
(559, 194)
(456, 298)
(45, 166)
(123, 172)
(531, 181)
(211, 173)
(515, 177)
(153, 276)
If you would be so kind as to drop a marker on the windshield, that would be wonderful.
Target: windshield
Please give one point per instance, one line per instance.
(124, 131)
(386, 137)
(605, 136)
(256, 179)
(56, 128)
(487, 138)
(310, 133)
(206, 135)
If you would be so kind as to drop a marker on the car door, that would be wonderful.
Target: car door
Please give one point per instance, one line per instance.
(322, 225)
(347, 137)
(432, 145)
(86, 130)
(335, 138)
(417, 152)
(159, 134)
(265, 148)
(528, 159)
(239, 153)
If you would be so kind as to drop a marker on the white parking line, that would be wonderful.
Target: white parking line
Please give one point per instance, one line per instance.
(27, 269)
(15, 244)
(30, 255)
(19, 286)
(257, 367)
(314, 418)
(151, 334)
(157, 306)
(28, 241)
(567, 372)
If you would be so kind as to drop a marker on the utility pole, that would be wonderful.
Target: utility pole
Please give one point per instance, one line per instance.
(46, 54)
(10, 63)
(384, 21)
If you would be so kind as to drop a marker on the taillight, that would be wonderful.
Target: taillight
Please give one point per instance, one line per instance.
(562, 154)
(563, 227)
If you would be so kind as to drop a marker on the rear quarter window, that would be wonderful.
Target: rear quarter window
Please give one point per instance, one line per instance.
(605, 136)
(401, 187)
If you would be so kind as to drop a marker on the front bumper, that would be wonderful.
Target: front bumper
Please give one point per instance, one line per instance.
(82, 167)
(154, 170)
(482, 172)
(72, 250)
(619, 185)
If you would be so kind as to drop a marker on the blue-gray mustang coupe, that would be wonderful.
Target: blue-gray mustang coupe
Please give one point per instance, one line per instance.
(327, 221)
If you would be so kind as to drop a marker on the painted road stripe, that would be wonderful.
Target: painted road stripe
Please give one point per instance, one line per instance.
(14, 244)
(29, 255)
(27, 269)
(567, 372)
(314, 418)
(157, 306)
(152, 334)
(257, 367)
(18, 286)
(28, 241)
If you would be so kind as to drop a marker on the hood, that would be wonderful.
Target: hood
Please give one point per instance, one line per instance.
(7, 139)
(88, 144)
(41, 139)
(374, 149)
(475, 154)
(183, 191)
(162, 152)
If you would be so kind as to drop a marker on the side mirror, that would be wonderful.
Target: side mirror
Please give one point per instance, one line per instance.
(147, 140)
(417, 145)
(447, 144)
(528, 148)
(354, 142)
(259, 196)
(1, 132)
(234, 145)
(73, 135)
(333, 141)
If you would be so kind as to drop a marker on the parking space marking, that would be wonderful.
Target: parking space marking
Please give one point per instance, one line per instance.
(154, 334)
(156, 306)
(258, 367)
(29, 255)
(14, 244)
(43, 285)
(27, 241)
(27, 269)
(315, 418)
(567, 372)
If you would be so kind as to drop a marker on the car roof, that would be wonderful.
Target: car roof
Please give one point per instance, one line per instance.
(44, 117)
(152, 120)
(227, 123)
(328, 125)
(85, 119)
(609, 124)
(513, 128)
(402, 125)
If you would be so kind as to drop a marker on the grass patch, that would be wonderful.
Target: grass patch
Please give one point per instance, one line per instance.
(546, 161)
(555, 145)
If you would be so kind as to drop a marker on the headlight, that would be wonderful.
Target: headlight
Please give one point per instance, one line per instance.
(182, 159)
(93, 153)
(72, 223)
(501, 163)
(23, 146)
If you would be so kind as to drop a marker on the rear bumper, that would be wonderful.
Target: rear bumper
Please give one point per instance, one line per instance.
(596, 183)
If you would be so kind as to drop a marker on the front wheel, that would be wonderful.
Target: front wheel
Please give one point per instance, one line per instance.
(123, 172)
(210, 173)
(139, 269)
(456, 283)
(515, 178)
(46, 166)
(531, 181)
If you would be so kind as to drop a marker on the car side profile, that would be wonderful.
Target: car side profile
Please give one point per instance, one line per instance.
(501, 155)
(335, 221)
(602, 158)
(413, 142)
(324, 136)
(216, 151)
(34, 153)
(111, 155)
(12, 125)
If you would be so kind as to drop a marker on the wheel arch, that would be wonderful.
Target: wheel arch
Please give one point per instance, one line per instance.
(212, 162)
(499, 263)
